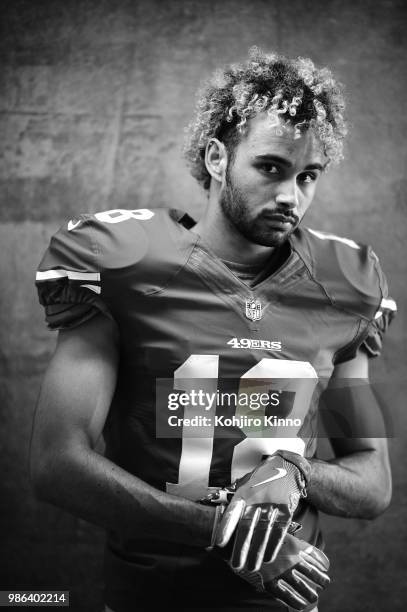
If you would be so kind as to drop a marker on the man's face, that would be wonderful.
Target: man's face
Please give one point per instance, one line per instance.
(271, 182)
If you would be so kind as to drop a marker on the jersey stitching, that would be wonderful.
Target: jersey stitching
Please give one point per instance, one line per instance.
(355, 342)
(171, 278)
(180, 249)
(179, 229)
(95, 249)
(331, 300)
(383, 293)
(285, 273)
(215, 284)
(359, 336)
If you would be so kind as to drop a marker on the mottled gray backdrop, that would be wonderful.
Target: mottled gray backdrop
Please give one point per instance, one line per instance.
(94, 95)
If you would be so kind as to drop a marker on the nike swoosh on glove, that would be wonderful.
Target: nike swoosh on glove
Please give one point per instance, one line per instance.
(262, 509)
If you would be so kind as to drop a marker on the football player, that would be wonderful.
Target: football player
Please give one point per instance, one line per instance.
(158, 314)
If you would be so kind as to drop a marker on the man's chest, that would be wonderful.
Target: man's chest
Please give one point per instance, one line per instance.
(204, 312)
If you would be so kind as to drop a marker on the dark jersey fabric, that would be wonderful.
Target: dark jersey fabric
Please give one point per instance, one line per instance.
(182, 316)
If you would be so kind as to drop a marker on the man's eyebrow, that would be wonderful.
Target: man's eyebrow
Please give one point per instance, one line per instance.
(316, 166)
(285, 162)
(276, 158)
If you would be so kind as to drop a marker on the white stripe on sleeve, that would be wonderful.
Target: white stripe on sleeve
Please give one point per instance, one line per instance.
(57, 274)
(94, 288)
(325, 236)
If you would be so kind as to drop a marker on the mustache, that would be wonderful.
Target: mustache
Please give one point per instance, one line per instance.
(279, 214)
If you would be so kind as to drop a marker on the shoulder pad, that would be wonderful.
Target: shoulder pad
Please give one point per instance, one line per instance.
(349, 273)
(91, 243)
(92, 247)
(69, 275)
(112, 240)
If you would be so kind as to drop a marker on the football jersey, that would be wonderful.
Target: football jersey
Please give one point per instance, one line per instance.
(187, 322)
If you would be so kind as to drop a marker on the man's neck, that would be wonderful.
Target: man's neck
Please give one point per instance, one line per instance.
(227, 242)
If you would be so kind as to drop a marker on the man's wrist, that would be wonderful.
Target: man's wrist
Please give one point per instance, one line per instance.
(219, 510)
(300, 462)
(208, 515)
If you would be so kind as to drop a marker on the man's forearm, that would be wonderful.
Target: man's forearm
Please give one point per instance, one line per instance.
(350, 486)
(92, 487)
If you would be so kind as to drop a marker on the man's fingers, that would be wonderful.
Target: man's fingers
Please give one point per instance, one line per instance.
(260, 539)
(276, 539)
(306, 588)
(318, 557)
(244, 537)
(289, 596)
(312, 571)
(229, 522)
(252, 528)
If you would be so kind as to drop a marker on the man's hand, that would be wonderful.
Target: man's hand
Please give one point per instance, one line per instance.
(261, 510)
(296, 577)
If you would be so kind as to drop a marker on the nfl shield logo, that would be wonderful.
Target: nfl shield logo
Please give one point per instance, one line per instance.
(253, 310)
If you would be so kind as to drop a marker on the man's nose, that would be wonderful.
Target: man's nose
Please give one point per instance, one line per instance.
(288, 195)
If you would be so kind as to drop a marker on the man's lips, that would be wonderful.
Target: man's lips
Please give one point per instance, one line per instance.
(280, 220)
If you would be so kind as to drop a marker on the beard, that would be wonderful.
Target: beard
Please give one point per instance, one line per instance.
(236, 208)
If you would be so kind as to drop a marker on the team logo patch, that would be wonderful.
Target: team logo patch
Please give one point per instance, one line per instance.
(253, 310)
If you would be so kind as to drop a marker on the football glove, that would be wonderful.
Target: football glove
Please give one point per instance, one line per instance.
(261, 510)
(296, 577)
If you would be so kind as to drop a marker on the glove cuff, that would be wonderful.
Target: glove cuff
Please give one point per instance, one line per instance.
(299, 461)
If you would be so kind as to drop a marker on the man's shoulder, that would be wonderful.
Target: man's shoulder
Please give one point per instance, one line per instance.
(113, 239)
(95, 258)
(348, 272)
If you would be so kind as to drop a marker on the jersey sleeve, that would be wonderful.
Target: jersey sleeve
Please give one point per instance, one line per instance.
(373, 342)
(68, 278)
(371, 338)
(352, 279)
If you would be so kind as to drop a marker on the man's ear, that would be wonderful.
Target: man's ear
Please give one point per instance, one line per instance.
(216, 158)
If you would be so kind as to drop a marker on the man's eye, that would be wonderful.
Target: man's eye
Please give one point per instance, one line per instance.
(308, 177)
(270, 168)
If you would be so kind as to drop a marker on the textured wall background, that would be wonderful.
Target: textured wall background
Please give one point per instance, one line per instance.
(93, 98)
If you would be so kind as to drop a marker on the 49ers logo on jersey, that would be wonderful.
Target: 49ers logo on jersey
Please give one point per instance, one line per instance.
(250, 343)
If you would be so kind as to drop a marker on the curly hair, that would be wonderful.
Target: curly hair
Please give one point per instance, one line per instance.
(294, 89)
